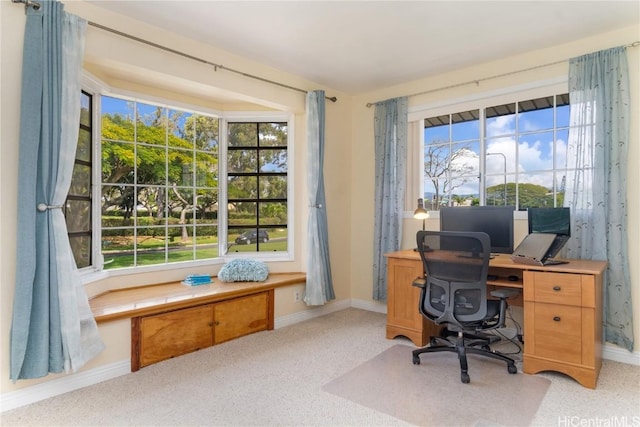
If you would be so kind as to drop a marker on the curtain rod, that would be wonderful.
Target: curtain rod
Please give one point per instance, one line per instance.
(477, 81)
(216, 67)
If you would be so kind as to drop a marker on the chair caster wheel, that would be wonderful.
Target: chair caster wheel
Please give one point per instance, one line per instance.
(416, 360)
(464, 377)
(512, 369)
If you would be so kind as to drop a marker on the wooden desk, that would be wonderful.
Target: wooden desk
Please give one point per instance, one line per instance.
(562, 311)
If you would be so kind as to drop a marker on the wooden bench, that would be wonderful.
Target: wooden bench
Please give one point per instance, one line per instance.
(171, 319)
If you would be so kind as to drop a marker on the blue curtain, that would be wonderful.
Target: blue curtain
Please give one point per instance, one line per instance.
(596, 188)
(53, 329)
(319, 288)
(390, 131)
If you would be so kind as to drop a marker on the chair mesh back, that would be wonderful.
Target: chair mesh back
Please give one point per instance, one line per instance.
(456, 266)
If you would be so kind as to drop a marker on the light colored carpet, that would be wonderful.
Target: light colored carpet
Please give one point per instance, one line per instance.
(276, 378)
(431, 393)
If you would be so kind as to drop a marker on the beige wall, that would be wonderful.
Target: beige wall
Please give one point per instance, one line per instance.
(362, 174)
(348, 160)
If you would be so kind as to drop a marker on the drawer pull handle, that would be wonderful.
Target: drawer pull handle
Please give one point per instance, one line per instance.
(556, 288)
(556, 318)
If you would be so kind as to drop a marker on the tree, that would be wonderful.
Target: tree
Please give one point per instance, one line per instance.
(160, 158)
(448, 171)
(529, 195)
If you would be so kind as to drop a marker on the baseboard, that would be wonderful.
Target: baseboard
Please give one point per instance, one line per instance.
(313, 312)
(64, 384)
(378, 307)
(619, 354)
(301, 316)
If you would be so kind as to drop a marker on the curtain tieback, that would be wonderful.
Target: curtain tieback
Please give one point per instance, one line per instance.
(43, 207)
(319, 206)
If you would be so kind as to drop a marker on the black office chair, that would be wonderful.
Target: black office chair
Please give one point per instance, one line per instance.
(454, 293)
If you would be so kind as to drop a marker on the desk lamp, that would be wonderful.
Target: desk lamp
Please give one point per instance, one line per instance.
(421, 212)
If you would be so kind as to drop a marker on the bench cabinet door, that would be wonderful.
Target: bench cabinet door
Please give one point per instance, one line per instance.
(241, 316)
(172, 334)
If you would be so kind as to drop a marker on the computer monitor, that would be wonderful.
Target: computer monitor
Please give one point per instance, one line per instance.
(550, 220)
(496, 221)
(554, 221)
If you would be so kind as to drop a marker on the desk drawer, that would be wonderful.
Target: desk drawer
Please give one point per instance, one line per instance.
(558, 332)
(557, 288)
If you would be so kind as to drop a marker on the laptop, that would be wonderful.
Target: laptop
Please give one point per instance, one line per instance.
(537, 249)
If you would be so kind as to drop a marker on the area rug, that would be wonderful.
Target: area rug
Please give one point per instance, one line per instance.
(431, 394)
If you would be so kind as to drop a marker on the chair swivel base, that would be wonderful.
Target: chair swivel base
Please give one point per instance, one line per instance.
(461, 349)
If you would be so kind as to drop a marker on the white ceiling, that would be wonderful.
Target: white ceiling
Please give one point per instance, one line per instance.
(358, 46)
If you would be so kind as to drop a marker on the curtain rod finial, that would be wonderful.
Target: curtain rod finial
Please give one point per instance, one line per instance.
(28, 3)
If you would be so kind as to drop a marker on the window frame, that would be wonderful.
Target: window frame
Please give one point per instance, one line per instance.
(97, 89)
(482, 100)
(260, 116)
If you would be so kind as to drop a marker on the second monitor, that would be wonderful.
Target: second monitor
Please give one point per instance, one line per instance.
(496, 221)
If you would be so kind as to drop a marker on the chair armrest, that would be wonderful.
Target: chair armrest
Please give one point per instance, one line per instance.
(504, 293)
(419, 282)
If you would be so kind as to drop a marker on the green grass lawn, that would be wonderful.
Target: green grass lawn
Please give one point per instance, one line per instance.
(116, 259)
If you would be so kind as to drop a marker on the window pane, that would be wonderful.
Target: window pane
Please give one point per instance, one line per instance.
(181, 203)
(536, 151)
(242, 161)
(500, 120)
(243, 213)
(501, 154)
(562, 136)
(242, 187)
(118, 117)
(180, 165)
(207, 206)
(117, 206)
(151, 124)
(78, 215)
(243, 134)
(562, 116)
(466, 126)
(83, 150)
(151, 206)
(206, 133)
(117, 248)
(273, 187)
(436, 135)
(273, 160)
(535, 190)
(85, 109)
(80, 181)
(180, 128)
(535, 114)
(273, 213)
(465, 159)
(273, 134)
(81, 248)
(206, 242)
(206, 170)
(151, 165)
(118, 161)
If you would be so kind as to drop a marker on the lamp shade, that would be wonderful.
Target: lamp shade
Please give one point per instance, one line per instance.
(421, 212)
